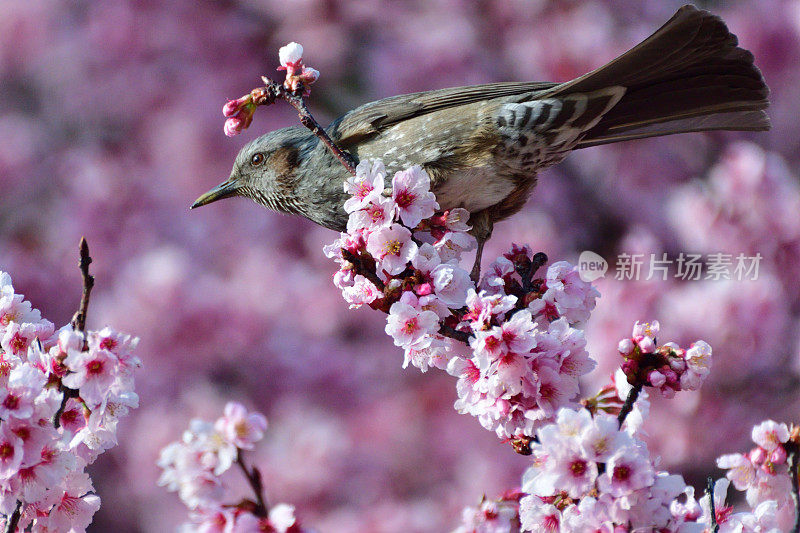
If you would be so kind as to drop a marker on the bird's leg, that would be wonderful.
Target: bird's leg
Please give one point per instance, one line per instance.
(482, 230)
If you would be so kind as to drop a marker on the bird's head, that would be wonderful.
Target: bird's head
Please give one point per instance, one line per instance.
(265, 171)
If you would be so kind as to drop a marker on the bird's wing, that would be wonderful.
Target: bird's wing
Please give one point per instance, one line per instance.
(369, 119)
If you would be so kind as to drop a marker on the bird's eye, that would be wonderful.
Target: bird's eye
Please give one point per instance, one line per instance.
(257, 159)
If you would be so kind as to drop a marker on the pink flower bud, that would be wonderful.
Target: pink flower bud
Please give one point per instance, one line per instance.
(630, 368)
(233, 126)
(308, 75)
(646, 345)
(424, 289)
(778, 455)
(625, 346)
(292, 53)
(757, 455)
(230, 108)
(656, 378)
(678, 365)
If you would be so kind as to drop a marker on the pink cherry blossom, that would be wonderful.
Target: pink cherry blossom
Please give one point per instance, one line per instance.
(17, 398)
(489, 517)
(453, 244)
(627, 470)
(451, 284)
(241, 428)
(410, 326)
(366, 186)
(770, 434)
(11, 452)
(377, 213)
(92, 372)
(361, 292)
(411, 193)
(392, 247)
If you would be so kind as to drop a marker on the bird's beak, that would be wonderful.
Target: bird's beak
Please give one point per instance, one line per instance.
(223, 190)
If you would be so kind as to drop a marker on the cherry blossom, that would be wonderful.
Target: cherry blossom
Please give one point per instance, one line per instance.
(366, 186)
(411, 193)
(241, 428)
(392, 247)
(410, 325)
(41, 463)
(192, 467)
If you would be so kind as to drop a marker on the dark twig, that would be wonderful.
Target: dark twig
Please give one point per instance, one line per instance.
(358, 263)
(710, 491)
(461, 336)
(254, 480)
(273, 90)
(792, 461)
(67, 393)
(13, 520)
(78, 323)
(79, 318)
(627, 407)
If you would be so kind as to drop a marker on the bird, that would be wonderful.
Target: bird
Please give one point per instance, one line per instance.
(483, 145)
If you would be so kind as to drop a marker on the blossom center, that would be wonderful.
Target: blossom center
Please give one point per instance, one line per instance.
(375, 213)
(6, 450)
(94, 368)
(405, 198)
(392, 247)
(11, 402)
(6, 318)
(108, 344)
(410, 326)
(17, 343)
(622, 473)
(578, 467)
(363, 189)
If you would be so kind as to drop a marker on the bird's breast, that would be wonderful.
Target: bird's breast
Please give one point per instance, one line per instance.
(474, 189)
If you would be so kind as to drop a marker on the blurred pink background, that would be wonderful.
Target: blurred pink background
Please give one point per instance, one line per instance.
(111, 125)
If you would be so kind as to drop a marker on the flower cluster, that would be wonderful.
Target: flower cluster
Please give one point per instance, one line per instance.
(668, 368)
(764, 475)
(297, 74)
(492, 516)
(514, 342)
(61, 396)
(193, 467)
(239, 112)
(592, 472)
(588, 474)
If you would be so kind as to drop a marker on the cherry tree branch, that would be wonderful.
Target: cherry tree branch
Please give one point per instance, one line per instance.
(79, 318)
(254, 480)
(710, 491)
(273, 90)
(793, 461)
(13, 520)
(627, 407)
(78, 323)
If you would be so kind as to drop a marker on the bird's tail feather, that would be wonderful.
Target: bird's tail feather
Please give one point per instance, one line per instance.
(690, 75)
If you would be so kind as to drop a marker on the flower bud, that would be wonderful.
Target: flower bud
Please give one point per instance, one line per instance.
(757, 455)
(646, 345)
(778, 455)
(233, 126)
(656, 378)
(290, 54)
(424, 289)
(625, 346)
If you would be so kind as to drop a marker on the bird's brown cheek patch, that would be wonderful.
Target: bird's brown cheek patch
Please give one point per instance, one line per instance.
(283, 162)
